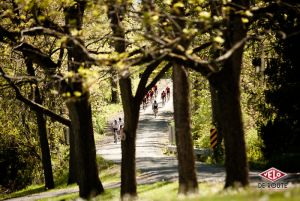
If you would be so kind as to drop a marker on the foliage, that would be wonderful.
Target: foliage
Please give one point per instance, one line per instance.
(280, 126)
(103, 115)
(17, 165)
(201, 111)
(150, 31)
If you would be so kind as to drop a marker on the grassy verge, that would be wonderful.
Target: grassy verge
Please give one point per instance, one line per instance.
(208, 191)
(23, 192)
(109, 173)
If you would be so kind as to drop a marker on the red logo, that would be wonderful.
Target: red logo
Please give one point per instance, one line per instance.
(272, 174)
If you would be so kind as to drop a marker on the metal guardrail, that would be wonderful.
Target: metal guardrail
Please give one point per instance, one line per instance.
(200, 154)
(197, 151)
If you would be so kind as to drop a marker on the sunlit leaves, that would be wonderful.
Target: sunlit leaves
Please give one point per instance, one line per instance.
(204, 15)
(219, 39)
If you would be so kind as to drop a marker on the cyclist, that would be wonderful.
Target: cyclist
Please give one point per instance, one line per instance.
(168, 92)
(163, 97)
(115, 128)
(155, 90)
(148, 96)
(121, 127)
(155, 108)
(144, 102)
(151, 95)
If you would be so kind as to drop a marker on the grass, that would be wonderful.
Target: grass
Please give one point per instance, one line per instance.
(26, 191)
(109, 173)
(208, 191)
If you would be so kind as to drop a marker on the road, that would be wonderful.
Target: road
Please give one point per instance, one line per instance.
(152, 140)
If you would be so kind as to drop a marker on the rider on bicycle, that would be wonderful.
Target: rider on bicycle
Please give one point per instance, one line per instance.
(155, 108)
(115, 127)
(163, 97)
(168, 92)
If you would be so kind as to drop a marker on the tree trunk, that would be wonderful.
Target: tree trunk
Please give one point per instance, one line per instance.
(72, 160)
(218, 151)
(226, 85)
(114, 87)
(80, 111)
(231, 126)
(85, 152)
(131, 107)
(42, 131)
(46, 157)
(131, 117)
(185, 151)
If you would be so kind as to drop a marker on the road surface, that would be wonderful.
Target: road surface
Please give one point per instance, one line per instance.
(152, 140)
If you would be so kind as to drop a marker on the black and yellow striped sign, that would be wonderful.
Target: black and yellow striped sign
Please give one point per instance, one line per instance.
(213, 138)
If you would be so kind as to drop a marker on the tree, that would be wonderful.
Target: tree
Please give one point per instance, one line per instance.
(226, 82)
(182, 116)
(279, 127)
(80, 109)
(79, 106)
(131, 103)
(42, 130)
(223, 72)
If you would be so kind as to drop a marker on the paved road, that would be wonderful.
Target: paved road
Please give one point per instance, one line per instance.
(152, 139)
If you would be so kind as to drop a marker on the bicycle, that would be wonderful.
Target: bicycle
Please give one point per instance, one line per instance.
(155, 111)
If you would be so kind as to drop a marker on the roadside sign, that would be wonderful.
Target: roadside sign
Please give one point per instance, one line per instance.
(213, 138)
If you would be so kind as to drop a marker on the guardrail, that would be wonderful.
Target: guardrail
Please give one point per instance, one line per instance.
(200, 154)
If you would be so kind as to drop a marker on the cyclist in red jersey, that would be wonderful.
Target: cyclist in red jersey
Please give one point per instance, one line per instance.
(155, 90)
(151, 95)
(147, 96)
(168, 92)
(163, 97)
(144, 102)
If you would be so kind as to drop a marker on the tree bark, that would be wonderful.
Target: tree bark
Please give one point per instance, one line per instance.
(114, 87)
(130, 107)
(216, 10)
(131, 117)
(72, 159)
(85, 152)
(181, 95)
(185, 151)
(218, 151)
(80, 111)
(42, 131)
(231, 126)
(227, 84)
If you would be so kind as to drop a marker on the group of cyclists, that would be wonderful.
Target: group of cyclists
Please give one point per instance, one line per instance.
(118, 125)
(117, 128)
(165, 95)
(152, 95)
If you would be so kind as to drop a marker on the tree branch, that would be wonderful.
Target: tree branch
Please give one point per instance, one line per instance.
(36, 56)
(159, 76)
(141, 91)
(33, 105)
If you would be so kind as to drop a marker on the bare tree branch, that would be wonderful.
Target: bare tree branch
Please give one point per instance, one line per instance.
(33, 105)
(37, 56)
